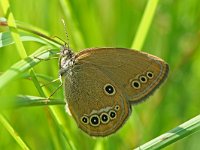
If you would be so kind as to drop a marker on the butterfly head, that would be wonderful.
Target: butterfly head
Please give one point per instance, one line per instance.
(66, 60)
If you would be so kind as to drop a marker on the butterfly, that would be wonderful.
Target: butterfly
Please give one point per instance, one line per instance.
(101, 84)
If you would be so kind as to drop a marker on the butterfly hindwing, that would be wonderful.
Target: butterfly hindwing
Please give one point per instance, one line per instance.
(96, 111)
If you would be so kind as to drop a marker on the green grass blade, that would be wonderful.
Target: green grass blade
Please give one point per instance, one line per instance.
(144, 24)
(6, 39)
(14, 134)
(36, 83)
(27, 100)
(77, 35)
(173, 135)
(25, 64)
(13, 29)
(60, 120)
(40, 34)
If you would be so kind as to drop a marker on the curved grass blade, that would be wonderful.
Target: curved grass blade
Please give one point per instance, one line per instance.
(173, 135)
(34, 30)
(27, 100)
(13, 133)
(6, 39)
(145, 24)
(17, 69)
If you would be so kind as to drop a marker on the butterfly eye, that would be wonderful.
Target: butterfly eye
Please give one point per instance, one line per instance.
(112, 114)
(94, 120)
(143, 79)
(136, 84)
(150, 74)
(109, 89)
(117, 107)
(104, 118)
(85, 120)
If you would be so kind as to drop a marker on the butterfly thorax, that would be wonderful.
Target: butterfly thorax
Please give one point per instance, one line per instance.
(66, 60)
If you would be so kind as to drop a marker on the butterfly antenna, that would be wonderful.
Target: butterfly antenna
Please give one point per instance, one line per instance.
(67, 36)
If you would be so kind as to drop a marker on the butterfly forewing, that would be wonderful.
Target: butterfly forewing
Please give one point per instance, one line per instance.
(137, 74)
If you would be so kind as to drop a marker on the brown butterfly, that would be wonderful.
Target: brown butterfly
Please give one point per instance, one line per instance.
(101, 84)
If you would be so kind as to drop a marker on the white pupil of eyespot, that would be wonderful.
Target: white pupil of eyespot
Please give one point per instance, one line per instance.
(95, 120)
(109, 89)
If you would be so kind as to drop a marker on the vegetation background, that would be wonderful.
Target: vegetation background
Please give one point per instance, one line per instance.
(173, 35)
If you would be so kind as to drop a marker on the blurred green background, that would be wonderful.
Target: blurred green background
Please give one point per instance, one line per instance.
(173, 36)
